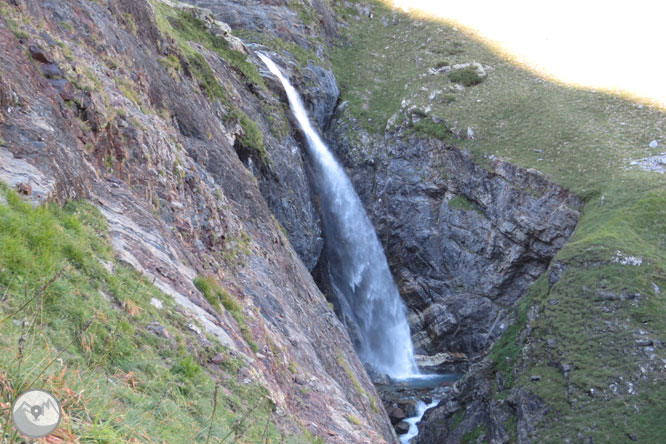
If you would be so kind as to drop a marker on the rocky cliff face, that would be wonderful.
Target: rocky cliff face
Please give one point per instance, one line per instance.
(156, 113)
(464, 241)
(296, 43)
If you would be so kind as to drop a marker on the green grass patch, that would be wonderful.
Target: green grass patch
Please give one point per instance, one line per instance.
(15, 28)
(252, 137)
(172, 64)
(302, 55)
(171, 61)
(353, 420)
(430, 128)
(185, 28)
(218, 297)
(511, 427)
(130, 24)
(205, 75)
(350, 375)
(473, 436)
(456, 419)
(301, 8)
(460, 202)
(128, 89)
(73, 321)
(506, 350)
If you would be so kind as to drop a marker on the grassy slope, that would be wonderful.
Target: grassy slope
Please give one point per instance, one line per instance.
(84, 338)
(581, 139)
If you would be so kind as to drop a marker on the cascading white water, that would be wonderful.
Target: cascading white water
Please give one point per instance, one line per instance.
(421, 408)
(358, 268)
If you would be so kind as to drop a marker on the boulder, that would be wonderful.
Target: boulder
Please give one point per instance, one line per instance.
(402, 427)
(396, 414)
(158, 329)
(408, 406)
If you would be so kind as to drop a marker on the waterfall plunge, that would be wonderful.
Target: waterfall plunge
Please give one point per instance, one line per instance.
(359, 273)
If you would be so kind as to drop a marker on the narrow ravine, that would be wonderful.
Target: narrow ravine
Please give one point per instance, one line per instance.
(373, 310)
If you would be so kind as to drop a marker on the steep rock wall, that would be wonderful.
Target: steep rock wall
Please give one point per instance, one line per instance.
(100, 102)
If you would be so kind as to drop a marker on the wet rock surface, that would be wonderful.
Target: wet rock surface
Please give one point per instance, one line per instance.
(463, 241)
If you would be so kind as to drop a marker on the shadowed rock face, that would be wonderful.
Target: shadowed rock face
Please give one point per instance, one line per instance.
(463, 241)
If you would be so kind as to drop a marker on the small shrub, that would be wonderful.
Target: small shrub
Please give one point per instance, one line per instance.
(127, 88)
(252, 137)
(465, 76)
(66, 52)
(187, 367)
(433, 129)
(170, 61)
(108, 162)
(474, 435)
(461, 202)
(456, 419)
(172, 64)
(205, 75)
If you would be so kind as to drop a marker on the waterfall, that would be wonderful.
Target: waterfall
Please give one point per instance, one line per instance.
(372, 308)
